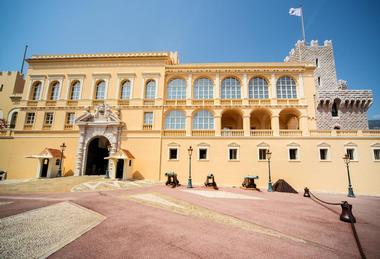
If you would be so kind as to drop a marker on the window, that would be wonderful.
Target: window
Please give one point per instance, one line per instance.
(376, 154)
(351, 153)
(49, 116)
(263, 154)
(173, 153)
(203, 89)
(319, 81)
(1, 87)
(233, 154)
(316, 62)
(13, 120)
(36, 91)
(100, 90)
(177, 89)
(334, 110)
(150, 90)
(54, 91)
(258, 88)
(323, 154)
(286, 88)
(203, 119)
(70, 118)
(293, 154)
(148, 118)
(125, 90)
(231, 88)
(175, 120)
(75, 90)
(57, 162)
(29, 118)
(202, 154)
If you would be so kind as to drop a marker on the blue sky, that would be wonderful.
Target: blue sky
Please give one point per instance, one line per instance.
(201, 30)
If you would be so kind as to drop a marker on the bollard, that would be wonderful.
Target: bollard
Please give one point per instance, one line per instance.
(347, 212)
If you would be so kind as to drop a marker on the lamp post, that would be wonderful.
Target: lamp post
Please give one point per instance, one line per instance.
(63, 147)
(189, 182)
(346, 159)
(109, 148)
(268, 156)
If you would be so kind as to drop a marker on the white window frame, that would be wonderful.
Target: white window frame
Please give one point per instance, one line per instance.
(145, 112)
(328, 157)
(199, 153)
(67, 116)
(258, 154)
(356, 157)
(373, 154)
(170, 148)
(298, 158)
(71, 79)
(237, 154)
(45, 117)
(26, 118)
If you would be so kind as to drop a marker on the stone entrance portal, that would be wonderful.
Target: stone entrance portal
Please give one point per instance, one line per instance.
(96, 152)
(97, 130)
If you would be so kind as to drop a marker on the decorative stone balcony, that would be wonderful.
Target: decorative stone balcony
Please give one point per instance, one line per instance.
(174, 133)
(97, 102)
(72, 102)
(287, 101)
(149, 102)
(346, 132)
(123, 102)
(68, 126)
(233, 133)
(203, 132)
(32, 103)
(175, 102)
(291, 133)
(259, 102)
(46, 127)
(261, 133)
(320, 132)
(231, 102)
(147, 127)
(207, 102)
(28, 126)
(51, 103)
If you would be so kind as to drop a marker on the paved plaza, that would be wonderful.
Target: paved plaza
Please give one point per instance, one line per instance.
(90, 217)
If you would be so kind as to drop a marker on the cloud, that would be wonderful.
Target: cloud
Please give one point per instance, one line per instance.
(376, 117)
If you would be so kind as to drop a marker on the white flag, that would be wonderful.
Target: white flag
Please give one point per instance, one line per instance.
(295, 11)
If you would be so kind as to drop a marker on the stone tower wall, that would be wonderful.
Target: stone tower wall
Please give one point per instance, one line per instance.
(352, 105)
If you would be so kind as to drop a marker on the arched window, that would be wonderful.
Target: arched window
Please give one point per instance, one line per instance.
(231, 88)
(177, 89)
(258, 88)
(203, 89)
(203, 119)
(334, 110)
(125, 90)
(286, 88)
(100, 90)
(150, 89)
(54, 91)
(175, 120)
(75, 90)
(36, 91)
(12, 124)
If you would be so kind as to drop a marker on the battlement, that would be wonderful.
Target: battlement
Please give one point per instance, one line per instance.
(302, 46)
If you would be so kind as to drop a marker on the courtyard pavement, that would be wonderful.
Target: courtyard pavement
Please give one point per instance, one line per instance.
(143, 219)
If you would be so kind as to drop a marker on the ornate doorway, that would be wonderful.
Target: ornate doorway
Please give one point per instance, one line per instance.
(96, 152)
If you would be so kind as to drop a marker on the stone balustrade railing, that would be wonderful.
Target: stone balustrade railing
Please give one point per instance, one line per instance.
(292, 133)
(261, 133)
(203, 133)
(232, 133)
(174, 133)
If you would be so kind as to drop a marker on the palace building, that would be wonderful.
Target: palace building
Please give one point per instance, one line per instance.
(134, 115)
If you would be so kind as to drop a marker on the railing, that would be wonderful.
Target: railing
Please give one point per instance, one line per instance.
(371, 132)
(72, 103)
(261, 133)
(291, 133)
(230, 101)
(68, 126)
(5, 132)
(175, 102)
(287, 101)
(232, 133)
(259, 101)
(123, 102)
(46, 127)
(174, 133)
(97, 102)
(346, 132)
(147, 127)
(28, 126)
(148, 101)
(203, 102)
(203, 132)
(320, 132)
(32, 103)
(51, 103)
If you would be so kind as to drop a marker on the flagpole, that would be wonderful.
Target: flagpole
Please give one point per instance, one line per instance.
(303, 27)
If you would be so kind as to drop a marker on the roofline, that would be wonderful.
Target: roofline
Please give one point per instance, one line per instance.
(243, 64)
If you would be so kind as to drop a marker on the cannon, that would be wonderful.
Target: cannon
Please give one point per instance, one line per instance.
(172, 179)
(210, 181)
(249, 182)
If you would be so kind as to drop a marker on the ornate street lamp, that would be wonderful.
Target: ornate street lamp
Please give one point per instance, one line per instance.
(63, 147)
(189, 182)
(109, 148)
(346, 159)
(268, 157)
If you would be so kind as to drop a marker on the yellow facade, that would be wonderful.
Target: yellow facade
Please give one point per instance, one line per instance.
(240, 121)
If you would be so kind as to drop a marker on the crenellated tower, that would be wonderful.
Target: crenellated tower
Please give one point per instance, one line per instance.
(336, 106)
